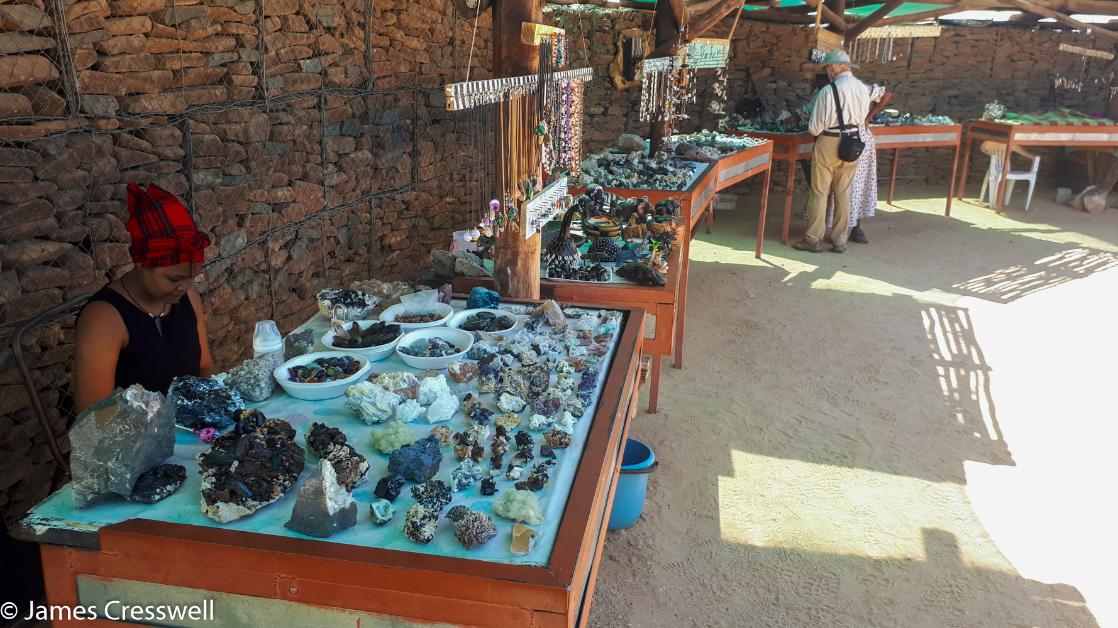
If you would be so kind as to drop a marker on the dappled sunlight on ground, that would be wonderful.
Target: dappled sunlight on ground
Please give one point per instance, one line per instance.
(852, 512)
(916, 433)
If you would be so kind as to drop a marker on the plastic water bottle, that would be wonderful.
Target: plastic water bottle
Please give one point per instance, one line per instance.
(267, 340)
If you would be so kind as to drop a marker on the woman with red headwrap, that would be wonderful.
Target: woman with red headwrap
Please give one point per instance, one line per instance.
(146, 327)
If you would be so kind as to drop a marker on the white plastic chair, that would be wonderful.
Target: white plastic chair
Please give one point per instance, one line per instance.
(994, 174)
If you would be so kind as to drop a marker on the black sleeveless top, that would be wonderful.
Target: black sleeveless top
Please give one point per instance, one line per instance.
(152, 359)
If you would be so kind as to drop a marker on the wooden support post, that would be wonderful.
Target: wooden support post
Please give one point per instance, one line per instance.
(516, 260)
(667, 34)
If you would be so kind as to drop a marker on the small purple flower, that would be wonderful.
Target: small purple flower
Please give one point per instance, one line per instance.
(207, 434)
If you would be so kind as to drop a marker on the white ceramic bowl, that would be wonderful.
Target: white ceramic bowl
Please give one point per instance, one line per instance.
(459, 318)
(375, 353)
(390, 313)
(325, 390)
(461, 339)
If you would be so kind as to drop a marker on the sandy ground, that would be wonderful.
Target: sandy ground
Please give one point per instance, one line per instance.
(916, 433)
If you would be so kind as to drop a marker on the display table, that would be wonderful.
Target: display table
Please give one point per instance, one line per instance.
(1039, 135)
(258, 572)
(788, 148)
(666, 303)
(898, 138)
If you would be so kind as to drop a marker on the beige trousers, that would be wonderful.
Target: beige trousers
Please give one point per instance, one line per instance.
(829, 174)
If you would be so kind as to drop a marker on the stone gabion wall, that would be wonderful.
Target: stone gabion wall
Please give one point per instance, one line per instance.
(308, 137)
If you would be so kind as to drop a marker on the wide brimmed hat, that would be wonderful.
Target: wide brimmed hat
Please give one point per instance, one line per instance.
(837, 57)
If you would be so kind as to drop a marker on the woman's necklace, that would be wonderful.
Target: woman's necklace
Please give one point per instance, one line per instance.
(155, 318)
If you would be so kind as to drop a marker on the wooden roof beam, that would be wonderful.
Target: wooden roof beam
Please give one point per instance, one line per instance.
(1063, 18)
(881, 13)
(779, 17)
(828, 14)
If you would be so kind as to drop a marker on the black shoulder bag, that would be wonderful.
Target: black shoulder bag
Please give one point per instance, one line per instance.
(850, 142)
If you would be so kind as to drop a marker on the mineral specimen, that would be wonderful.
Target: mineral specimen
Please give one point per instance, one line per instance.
(203, 402)
(433, 347)
(382, 511)
(442, 408)
(546, 452)
(421, 524)
(248, 469)
(158, 483)
(346, 304)
(323, 370)
(518, 505)
(471, 528)
(432, 494)
(353, 337)
(524, 440)
(419, 461)
(391, 437)
(480, 414)
(523, 539)
(466, 474)
(477, 452)
(481, 350)
(402, 383)
(329, 444)
(488, 487)
(323, 506)
(463, 372)
(564, 367)
(589, 381)
(408, 411)
(323, 439)
(514, 472)
(510, 403)
(508, 421)
(552, 313)
(431, 388)
(566, 423)
(253, 378)
(487, 321)
(117, 440)
(298, 343)
(372, 403)
(487, 379)
(389, 487)
(539, 423)
(483, 298)
(548, 405)
(443, 433)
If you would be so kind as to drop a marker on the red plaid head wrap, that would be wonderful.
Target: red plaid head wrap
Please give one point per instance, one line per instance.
(163, 233)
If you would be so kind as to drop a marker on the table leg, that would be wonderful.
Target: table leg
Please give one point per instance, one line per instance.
(654, 387)
(789, 188)
(681, 308)
(893, 176)
(951, 185)
(710, 212)
(966, 164)
(764, 211)
(999, 205)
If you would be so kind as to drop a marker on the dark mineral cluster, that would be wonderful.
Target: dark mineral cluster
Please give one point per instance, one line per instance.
(250, 467)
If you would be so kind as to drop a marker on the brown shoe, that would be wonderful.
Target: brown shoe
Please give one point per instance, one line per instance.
(810, 247)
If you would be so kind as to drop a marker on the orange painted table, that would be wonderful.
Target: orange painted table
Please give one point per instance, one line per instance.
(1039, 135)
(663, 302)
(788, 148)
(299, 581)
(898, 138)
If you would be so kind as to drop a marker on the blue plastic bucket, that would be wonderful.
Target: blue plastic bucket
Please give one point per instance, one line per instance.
(632, 485)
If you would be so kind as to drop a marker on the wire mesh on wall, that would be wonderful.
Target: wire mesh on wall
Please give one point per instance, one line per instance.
(308, 138)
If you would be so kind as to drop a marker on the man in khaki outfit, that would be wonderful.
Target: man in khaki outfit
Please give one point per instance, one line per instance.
(829, 174)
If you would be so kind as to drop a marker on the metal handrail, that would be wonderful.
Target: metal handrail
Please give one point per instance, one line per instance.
(21, 364)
